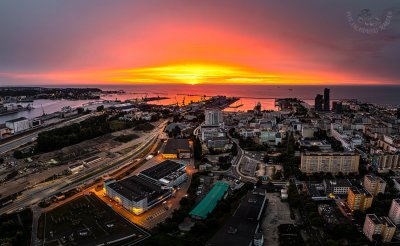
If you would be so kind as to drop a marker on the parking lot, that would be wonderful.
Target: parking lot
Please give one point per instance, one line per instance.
(86, 220)
(277, 213)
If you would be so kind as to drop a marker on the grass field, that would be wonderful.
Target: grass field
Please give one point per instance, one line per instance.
(86, 220)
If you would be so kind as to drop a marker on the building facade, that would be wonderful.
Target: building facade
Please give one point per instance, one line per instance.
(379, 225)
(394, 212)
(327, 100)
(359, 199)
(386, 161)
(333, 162)
(136, 194)
(337, 186)
(374, 184)
(18, 125)
(319, 102)
(213, 117)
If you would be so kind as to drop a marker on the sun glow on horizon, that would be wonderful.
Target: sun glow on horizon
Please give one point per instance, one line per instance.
(191, 73)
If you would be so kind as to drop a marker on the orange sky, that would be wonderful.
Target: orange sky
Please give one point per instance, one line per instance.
(233, 41)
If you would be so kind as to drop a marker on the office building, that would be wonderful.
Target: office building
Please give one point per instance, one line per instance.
(327, 100)
(374, 184)
(319, 101)
(167, 173)
(213, 117)
(333, 162)
(394, 211)
(359, 199)
(136, 194)
(379, 225)
(177, 149)
(209, 132)
(336, 186)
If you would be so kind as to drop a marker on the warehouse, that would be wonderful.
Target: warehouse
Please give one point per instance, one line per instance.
(177, 149)
(167, 173)
(136, 193)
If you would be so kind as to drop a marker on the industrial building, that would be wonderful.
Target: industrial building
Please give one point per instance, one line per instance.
(177, 149)
(18, 125)
(243, 228)
(136, 194)
(167, 173)
(209, 202)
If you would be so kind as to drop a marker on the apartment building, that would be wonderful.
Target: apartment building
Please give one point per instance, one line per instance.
(379, 225)
(374, 184)
(394, 211)
(333, 162)
(359, 199)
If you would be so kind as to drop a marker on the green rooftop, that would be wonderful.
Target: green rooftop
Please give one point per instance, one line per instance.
(209, 202)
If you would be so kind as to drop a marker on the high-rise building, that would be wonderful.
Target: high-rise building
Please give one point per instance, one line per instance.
(375, 225)
(213, 117)
(374, 184)
(319, 101)
(337, 107)
(327, 100)
(359, 199)
(333, 162)
(394, 211)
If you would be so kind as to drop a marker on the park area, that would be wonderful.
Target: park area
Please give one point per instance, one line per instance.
(86, 220)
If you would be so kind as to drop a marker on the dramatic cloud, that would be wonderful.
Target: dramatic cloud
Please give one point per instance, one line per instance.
(225, 41)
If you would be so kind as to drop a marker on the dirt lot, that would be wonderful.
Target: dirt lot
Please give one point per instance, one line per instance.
(277, 213)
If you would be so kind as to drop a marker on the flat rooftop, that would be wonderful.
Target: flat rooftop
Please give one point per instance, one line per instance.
(329, 153)
(241, 228)
(137, 188)
(358, 191)
(176, 144)
(16, 120)
(210, 201)
(162, 170)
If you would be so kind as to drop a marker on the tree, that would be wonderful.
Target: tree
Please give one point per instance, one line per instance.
(234, 149)
(197, 149)
(100, 108)
(176, 131)
(80, 110)
(18, 154)
(317, 221)
(359, 216)
(377, 239)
